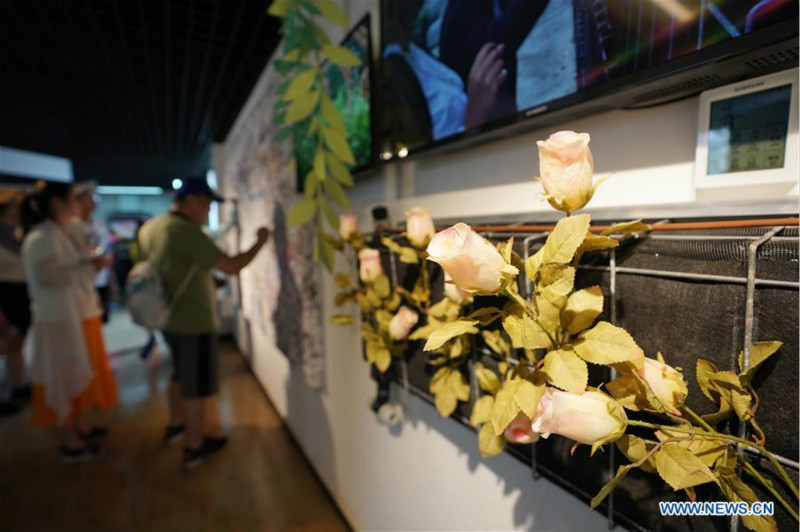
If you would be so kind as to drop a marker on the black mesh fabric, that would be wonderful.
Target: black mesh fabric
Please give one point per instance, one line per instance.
(685, 320)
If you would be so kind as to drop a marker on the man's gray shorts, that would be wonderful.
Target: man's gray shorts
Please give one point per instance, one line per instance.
(195, 362)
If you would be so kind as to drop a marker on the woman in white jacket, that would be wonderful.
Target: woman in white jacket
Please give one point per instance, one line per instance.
(70, 368)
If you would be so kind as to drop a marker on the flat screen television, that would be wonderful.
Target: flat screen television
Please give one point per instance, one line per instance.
(351, 91)
(454, 70)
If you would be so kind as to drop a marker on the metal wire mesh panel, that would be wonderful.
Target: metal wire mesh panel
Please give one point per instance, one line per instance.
(685, 294)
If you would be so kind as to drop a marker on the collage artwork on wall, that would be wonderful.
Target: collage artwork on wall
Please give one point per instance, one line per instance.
(260, 173)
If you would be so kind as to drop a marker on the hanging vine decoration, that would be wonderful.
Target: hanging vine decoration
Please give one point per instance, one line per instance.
(306, 111)
(556, 329)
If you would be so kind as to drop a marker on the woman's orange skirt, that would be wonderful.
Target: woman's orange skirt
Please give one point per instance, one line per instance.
(101, 392)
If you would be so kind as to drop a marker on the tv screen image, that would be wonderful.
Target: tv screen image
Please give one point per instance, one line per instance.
(350, 90)
(453, 67)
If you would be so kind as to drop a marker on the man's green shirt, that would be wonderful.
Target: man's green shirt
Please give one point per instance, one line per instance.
(173, 245)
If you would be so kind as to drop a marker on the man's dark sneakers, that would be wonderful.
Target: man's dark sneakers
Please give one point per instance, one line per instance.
(93, 434)
(76, 456)
(210, 447)
(173, 433)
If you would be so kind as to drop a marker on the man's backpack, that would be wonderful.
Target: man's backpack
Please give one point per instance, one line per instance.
(147, 299)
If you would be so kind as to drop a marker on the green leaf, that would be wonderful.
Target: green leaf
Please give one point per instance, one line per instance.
(556, 281)
(300, 85)
(607, 344)
(533, 264)
(549, 315)
(319, 164)
(565, 370)
(449, 331)
(759, 353)
(592, 242)
(487, 379)
(737, 491)
(338, 145)
(334, 190)
(331, 11)
(283, 134)
(482, 410)
(302, 106)
(704, 370)
(515, 396)
(609, 487)
(681, 469)
(325, 253)
(634, 226)
(278, 8)
(342, 319)
(708, 451)
(301, 213)
(635, 449)
(583, 307)
(332, 114)
(565, 239)
(727, 386)
(338, 170)
(446, 402)
(457, 383)
(524, 332)
(489, 443)
(632, 393)
(407, 255)
(340, 55)
(496, 342)
(485, 315)
(330, 214)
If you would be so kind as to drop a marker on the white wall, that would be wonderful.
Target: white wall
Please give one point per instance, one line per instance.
(35, 165)
(428, 475)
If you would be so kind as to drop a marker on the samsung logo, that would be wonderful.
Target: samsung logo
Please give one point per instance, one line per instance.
(748, 87)
(536, 111)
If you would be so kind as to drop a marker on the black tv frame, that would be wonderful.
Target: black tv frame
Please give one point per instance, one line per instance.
(751, 55)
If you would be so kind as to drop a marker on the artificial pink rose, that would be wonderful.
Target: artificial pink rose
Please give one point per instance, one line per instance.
(419, 227)
(348, 225)
(402, 323)
(519, 431)
(666, 382)
(453, 292)
(590, 418)
(566, 168)
(472, 261)
(369, 265)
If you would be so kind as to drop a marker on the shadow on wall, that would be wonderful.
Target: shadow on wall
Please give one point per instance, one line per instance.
(540, 504)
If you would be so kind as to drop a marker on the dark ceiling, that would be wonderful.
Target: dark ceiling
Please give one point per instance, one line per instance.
(133, 91)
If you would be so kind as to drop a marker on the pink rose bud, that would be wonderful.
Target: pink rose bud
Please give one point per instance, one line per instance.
(419, 227)
(369, 265)
(566, 168)
(519, 431)
(472, 261)
(591, 417)
(402, 323)
(666, 382)
(348, 225)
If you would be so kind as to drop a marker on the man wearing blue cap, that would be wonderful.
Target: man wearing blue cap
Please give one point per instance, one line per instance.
(179, 249)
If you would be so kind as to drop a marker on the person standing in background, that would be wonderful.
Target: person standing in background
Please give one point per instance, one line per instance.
(70, 370)
(179, 249)
(96, 238)
(14, 301)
